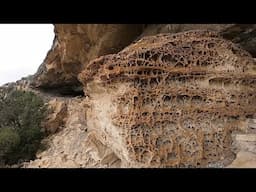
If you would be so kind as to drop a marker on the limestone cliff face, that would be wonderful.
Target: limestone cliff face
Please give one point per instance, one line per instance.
(130, 96)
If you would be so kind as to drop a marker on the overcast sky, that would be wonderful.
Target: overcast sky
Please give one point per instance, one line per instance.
(23, 48)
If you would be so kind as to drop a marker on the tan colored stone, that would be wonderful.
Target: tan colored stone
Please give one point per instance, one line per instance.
(246, 137)
(244, 159)
(75, 45)
(75, 145)
(102, 131)
(171, 100)
(56, 118)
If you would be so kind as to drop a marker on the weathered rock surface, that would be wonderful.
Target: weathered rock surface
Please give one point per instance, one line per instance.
(74, 46)
(165, 101)
(172, 100)
(242, 34)
(77, 44)
(75, 146)
(155, 29)
(244, 159)
(245, 147)
(57, 115)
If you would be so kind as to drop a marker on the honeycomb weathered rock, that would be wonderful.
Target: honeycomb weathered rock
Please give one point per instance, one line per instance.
(172, 100)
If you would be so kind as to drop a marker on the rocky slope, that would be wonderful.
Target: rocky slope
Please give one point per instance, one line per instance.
(119, 112)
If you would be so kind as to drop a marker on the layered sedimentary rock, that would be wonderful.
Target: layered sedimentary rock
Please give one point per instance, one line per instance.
(77, 44)
(171, 100)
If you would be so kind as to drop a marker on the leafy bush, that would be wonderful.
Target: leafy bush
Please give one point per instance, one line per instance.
(9, 139)
(21, 114)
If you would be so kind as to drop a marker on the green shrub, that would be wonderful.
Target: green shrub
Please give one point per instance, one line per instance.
(9, 139)
(23, 112)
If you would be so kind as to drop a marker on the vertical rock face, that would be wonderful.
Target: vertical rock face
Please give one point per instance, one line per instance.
(75, 45)
(171, 100)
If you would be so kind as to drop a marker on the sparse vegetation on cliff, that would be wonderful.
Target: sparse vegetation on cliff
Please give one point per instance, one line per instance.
(21, 114)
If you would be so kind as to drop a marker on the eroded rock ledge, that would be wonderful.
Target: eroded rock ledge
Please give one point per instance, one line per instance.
(74, 46)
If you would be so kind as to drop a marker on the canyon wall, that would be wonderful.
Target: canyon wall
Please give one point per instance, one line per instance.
(148, 95)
